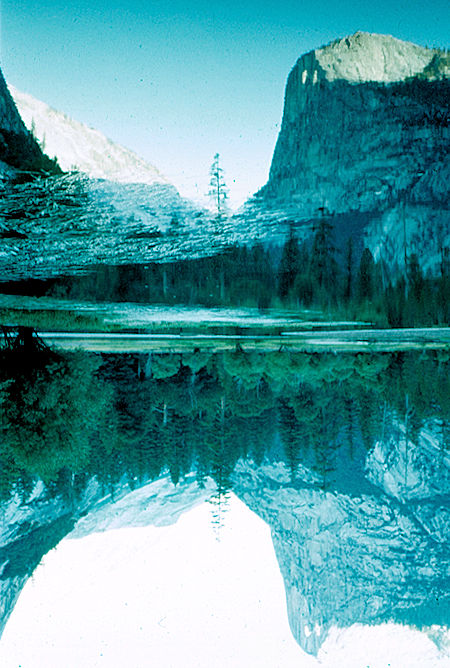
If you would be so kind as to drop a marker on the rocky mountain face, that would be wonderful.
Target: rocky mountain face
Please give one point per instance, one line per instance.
(18, 148)
(81, 148)
(109, 207)
(365, 135)
(368, 546)
(10, 119)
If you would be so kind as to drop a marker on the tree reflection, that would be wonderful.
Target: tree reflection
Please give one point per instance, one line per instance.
(63, 418)
(54, 411)
(332, 451)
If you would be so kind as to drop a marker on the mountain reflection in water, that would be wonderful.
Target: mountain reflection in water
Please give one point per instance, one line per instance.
(345, 457)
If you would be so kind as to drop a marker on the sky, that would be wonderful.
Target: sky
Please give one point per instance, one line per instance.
(155, 596)
(179, 81)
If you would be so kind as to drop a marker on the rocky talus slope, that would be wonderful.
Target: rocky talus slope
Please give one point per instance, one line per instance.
(109, 207)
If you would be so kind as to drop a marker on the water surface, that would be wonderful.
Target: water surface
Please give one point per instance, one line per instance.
(318, 480)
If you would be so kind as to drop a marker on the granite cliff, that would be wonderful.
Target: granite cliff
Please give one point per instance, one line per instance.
(365, 136)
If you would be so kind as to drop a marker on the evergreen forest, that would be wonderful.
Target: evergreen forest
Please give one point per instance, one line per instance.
(131, 418)
(344, 282)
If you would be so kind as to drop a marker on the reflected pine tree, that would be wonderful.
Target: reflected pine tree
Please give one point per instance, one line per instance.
(291, 435)
(52, 414)
(84, 416)
(311, 420)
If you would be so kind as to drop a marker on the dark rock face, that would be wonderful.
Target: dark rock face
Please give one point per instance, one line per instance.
(18, 148)
(10, 120)
(365, 129)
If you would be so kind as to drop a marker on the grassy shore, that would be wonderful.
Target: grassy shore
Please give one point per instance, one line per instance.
(62, 315)
(53, 320)
(128, 327)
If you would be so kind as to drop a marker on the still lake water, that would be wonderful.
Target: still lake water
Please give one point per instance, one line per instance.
(232, 509)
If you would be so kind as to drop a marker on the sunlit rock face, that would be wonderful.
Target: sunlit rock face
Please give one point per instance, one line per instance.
(364, 57)
(365, 130)
(370, 557)
(119, 180)
(79, 147)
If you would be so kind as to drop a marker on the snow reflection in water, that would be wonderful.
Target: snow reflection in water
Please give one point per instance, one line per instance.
(345, 458)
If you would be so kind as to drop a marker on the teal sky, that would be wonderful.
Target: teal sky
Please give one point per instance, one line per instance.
(178, 81)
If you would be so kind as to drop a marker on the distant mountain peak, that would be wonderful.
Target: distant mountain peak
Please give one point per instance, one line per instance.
(364, 57)
(79, 147)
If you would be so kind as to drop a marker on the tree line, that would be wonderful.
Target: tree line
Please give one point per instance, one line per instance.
(21, 150)
(314, 273)
(351, 282)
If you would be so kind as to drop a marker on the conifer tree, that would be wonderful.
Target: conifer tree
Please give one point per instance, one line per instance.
(218, 191)
(348, 288)
(323, 267)
(289, 265)
(366, 275)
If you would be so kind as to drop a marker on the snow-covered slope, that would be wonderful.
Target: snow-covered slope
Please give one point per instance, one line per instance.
(79, 147)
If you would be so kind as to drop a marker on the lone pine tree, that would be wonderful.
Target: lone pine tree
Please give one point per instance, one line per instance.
(218, 191)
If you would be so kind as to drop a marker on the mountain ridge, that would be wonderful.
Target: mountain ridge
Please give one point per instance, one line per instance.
(365, 56)
(79, 147)
(18, 148)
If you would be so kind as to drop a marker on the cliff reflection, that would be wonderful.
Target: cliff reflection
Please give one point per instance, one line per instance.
(345, 457)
